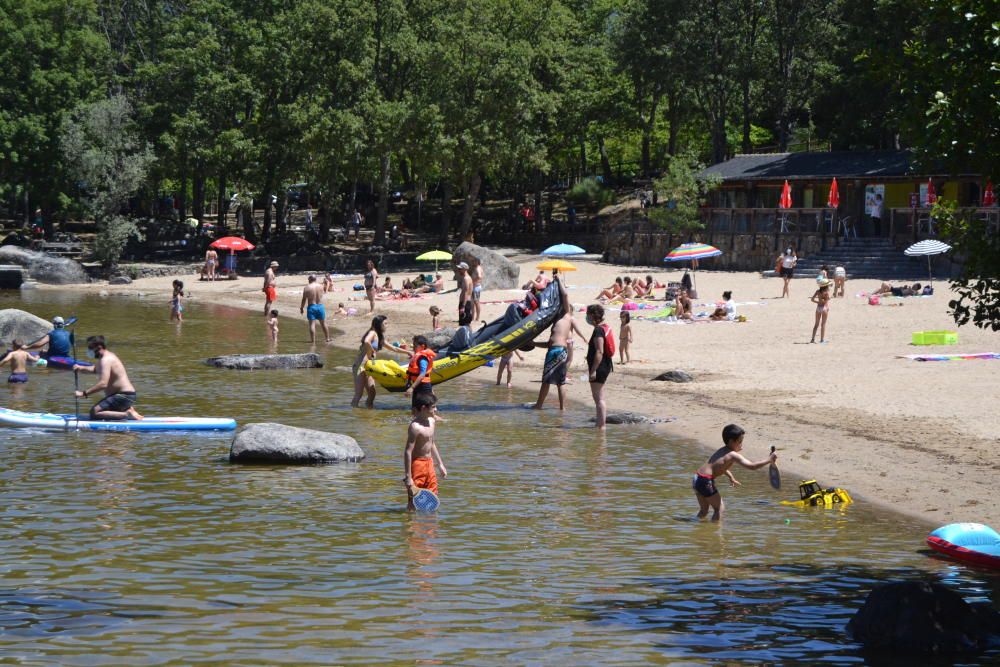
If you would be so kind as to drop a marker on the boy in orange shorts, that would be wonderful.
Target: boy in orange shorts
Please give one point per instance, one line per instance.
(421, 451)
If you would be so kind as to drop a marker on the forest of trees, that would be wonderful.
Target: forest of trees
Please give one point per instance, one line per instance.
(203, 98)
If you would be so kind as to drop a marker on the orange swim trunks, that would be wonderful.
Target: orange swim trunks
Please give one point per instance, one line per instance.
(270, 293)
(422, 472)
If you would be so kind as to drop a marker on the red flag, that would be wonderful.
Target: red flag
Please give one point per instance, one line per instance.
(786, 196)
(988, 198)
(833, 201)
(931, 195)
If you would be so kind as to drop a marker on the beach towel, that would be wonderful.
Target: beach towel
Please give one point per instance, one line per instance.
(952, 357)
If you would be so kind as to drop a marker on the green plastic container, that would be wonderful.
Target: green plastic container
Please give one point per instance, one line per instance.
(935, 337)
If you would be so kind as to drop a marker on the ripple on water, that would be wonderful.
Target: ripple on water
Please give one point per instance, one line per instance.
(554, 545)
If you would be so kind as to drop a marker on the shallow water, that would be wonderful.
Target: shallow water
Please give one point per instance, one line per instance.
(554, 544)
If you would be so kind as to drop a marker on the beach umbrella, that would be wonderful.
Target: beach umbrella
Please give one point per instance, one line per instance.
(552, 264)
(434, 256)
(231, 243)
(931, 195)
(786, 196)
(988, 198)
(564, 249)
(691, 252)
(833, 201)
(927, 248)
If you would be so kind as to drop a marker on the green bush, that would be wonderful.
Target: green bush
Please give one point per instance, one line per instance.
(590, 193)
(112, 235)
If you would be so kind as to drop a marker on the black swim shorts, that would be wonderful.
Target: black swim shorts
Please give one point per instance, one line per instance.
(704, 486)
(117, 402)
(603, 371)
(787, 273)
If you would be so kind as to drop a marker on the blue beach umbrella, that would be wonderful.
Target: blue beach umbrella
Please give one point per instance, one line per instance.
(564, 249)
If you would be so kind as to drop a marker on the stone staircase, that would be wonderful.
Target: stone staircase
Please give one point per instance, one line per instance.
(864, 258)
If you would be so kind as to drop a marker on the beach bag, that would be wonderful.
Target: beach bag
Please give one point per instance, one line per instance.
(609, 340)
(630, 305)
(777, 265)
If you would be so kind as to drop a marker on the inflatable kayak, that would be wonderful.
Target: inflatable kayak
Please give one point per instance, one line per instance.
(968, 542)
(10, 417)
(64, 363)
(496, 339)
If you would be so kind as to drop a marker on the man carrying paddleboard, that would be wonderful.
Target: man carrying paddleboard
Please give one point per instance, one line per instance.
(119, 394)
(59, 340)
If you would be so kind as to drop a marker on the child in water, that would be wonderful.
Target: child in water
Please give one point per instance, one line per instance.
(176, 302)
(18, 360)
(719, 464)
(435, 312)
(421, 452)
(507, 362)
(625, 338)
(272, 323)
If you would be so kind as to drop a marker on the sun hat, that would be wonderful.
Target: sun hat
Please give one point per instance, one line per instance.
(273, 264)
(462, 265)
(58, 321)
(825, 282)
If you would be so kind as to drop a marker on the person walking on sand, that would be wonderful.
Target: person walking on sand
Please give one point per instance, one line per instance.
(718, 465)
(477, 288)
(18, 359)
(839, 280)
(625, 338)
(270, 288)
(119, 394)
(822, 300)
(211, 262)
(786, 268)
(554, 370)
(600, 353)
(371, 283)
(464, 291)
(312, 305)
(421, 450)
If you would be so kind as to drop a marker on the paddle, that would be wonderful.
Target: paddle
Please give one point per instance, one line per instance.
(425, 500)
(774, 474)
(70, 322)
(76, 376)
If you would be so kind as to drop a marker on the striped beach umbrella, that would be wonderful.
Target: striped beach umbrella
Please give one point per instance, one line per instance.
(691, 252)
(927, 248)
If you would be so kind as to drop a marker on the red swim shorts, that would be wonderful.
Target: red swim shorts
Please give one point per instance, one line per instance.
(422, 472)
(270, 293)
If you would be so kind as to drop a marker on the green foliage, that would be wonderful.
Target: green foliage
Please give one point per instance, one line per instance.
(978, 247)
(112, 235)
(682, 190)
(590, 193)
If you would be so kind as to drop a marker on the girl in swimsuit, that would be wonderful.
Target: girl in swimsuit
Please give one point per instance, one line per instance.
(611, 292)
(176, 307)
(371, 278)
(371, 343)
(822, 300)
(211, 261)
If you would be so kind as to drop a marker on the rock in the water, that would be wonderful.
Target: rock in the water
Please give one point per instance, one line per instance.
(249, 362)
(277, 443)
(43, 267)
(22, 325)
(634, 418)
(917, 617)
(674, 376)
(498, 271)
(440, 338)
(120, 280)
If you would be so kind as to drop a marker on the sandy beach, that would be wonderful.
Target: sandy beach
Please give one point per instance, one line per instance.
(917, 437)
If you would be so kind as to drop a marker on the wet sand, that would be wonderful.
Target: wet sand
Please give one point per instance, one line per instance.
(917, 437)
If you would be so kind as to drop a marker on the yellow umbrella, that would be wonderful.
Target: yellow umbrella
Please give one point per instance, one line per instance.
(561, 264)
(434, 256)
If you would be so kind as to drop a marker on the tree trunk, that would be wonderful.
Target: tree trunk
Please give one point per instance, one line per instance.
(265, 229)
(719, 144)
(538, 200)
(249, 231)
(469, 208)
(280, 220)
(222, 203)
(747, 146)
(644, 155)
(605, 163)
(385, 163)
(583, 156)
(180, 203)
(404, 170)
(198, 205)
(445, 229)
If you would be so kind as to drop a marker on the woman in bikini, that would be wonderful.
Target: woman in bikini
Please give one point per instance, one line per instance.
(682, 306)
(822, 300)
(611, 292)
(371, 280)
(371, 343)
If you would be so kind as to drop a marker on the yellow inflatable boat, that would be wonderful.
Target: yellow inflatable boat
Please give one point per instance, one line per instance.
(811, 494)
(496, 339)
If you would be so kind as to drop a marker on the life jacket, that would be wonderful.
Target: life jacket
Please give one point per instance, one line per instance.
(60, 342)
(609, 340)
(413, 370)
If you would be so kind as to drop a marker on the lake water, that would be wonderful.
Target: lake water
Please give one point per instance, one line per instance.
(554, 544)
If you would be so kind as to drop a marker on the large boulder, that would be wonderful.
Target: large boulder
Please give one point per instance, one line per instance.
(43, 267)
(22, 325)
(498, 271)
(634, 418)
(277, 443)
(917, 617)
(674, 376)
(250, 362)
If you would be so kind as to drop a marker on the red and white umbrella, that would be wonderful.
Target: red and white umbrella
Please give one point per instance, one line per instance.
(786, 196)
(988, 198)
(232, 243)
(931, 195)
(833, 201)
